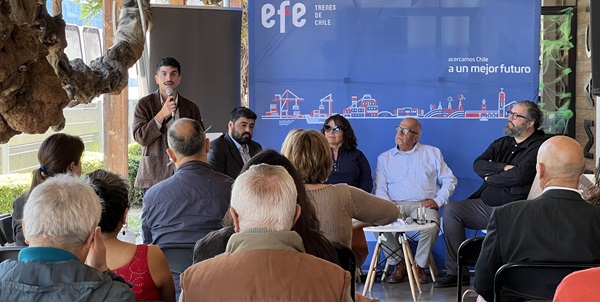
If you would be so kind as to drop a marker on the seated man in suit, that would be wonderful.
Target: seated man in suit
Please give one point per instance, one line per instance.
(230, 151)
(267, 257)
(60, 224)
(557, 226)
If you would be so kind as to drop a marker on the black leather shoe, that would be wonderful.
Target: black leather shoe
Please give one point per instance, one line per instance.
(451, 281)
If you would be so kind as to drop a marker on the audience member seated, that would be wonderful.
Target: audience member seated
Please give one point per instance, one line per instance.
(145, 266)
(557, 226)
(230, 151)
(267, 258)
(188, 205)
(60, 222)
(413, 175)
(307, 225)
(59, 153)
(337, 204)
(507, 168)
(579, 286)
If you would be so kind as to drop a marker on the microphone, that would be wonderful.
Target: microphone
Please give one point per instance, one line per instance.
(169, 92)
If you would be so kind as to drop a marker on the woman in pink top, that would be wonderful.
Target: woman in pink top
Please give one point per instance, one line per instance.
(143, 265)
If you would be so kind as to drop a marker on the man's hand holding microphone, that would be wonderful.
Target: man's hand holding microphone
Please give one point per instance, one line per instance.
(169, 107)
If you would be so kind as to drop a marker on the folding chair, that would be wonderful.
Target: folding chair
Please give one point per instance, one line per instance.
(348, 263)
(10, 252)
(468, 253)
(532, 280)
(179, 257)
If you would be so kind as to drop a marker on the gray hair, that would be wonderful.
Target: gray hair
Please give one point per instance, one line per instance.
(264, 197)
(63, 210)
(186, 137)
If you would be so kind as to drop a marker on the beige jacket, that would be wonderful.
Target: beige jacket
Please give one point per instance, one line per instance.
(265, 266)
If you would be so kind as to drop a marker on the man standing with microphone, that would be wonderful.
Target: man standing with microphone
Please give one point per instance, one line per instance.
(153, 116)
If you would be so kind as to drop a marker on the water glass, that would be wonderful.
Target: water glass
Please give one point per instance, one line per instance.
(421, 216)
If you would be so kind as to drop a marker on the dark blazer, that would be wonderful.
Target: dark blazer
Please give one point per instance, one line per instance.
(558, 226)
(153, 164)
(225, 157)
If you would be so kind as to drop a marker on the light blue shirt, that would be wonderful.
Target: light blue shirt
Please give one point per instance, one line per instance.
(243, 149)
(414, 175)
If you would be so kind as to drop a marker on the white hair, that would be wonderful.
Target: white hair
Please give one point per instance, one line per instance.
(63, 210)
(264, 197)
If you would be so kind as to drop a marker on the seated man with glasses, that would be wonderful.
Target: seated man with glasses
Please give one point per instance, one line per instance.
(413, 175)
(507, 169)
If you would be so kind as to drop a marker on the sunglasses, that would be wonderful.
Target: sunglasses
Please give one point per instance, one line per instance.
(329, 129)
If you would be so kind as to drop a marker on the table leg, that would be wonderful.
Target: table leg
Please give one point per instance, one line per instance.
(409, 268)
(412, 263)
(372, 269)
(432, 268)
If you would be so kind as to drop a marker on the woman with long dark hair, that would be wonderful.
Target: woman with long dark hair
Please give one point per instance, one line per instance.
(350, 165)
(59, 153)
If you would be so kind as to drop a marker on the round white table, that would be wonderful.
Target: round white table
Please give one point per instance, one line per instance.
(400, 229)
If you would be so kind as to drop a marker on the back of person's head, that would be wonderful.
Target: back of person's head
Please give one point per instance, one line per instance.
(238, 112)
(56, 154)
(168, 61)
(264, 197)
(310, 153)
(186, 137)
(562, 158)
(533, 112)
(61, 212)
(307, 225)
(113, 191)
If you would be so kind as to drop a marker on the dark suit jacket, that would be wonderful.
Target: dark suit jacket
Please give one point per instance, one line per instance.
(558, 226)
(153, 164)
(225, 156)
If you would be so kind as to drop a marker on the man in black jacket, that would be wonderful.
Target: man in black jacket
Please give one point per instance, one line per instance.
(557, 226)
(508, 169)
(230, 151)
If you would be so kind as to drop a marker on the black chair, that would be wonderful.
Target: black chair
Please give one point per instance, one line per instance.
(468, 252)
(347, 262)
(6, 227)
(179, 257)
(10, 252)
(532, 280)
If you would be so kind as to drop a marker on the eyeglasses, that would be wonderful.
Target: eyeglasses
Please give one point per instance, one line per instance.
(515, 115)
(404, 131)
(329, 129)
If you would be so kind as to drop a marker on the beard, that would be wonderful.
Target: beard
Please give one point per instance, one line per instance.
(240, 138)
(514, 131)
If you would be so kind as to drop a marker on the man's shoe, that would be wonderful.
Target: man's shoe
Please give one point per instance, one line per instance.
(398, 276)
(451, 281)
(421, 276)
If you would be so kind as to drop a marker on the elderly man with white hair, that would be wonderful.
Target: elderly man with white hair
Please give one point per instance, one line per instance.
(60, 224)
(265, 260)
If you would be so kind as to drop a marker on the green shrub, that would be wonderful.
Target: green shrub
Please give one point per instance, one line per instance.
(134, 149)
(11, 187)
(135, 194)
(91, 161)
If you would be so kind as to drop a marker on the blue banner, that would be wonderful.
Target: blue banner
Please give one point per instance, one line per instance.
(456, 65)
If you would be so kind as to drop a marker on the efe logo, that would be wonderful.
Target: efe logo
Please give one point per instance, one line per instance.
(297, 11)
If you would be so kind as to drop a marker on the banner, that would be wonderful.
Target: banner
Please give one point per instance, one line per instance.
(456, 65)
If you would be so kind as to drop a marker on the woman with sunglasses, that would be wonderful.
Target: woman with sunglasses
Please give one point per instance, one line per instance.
(350, 165)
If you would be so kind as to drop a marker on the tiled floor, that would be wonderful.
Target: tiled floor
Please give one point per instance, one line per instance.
(387, 292)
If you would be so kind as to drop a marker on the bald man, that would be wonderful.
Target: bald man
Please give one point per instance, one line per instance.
(185, 207)
(557, 226)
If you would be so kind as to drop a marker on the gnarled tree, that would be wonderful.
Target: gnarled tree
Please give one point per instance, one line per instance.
(37, 79)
